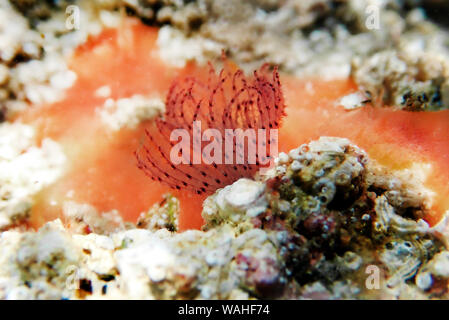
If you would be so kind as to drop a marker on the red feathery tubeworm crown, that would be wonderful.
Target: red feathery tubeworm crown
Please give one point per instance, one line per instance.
(229, 100)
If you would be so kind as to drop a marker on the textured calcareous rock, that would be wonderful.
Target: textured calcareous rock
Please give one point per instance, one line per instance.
(307, 230)
(24, 170)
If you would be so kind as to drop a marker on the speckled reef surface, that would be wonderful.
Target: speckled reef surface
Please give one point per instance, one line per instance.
(327, 222)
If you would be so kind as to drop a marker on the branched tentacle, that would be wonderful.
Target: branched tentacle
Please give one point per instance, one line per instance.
(229, 100)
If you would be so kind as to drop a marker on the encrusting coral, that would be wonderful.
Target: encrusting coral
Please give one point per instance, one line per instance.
(306, 230)
(338, 213)
(408, 80)
(161, 215)
(310, 228)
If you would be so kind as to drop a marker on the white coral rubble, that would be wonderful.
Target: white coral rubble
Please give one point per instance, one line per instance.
(24, 170)
(129, 112)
